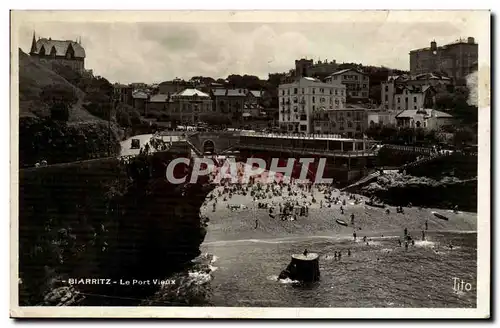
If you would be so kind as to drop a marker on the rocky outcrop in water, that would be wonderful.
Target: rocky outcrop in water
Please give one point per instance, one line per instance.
(400, 189)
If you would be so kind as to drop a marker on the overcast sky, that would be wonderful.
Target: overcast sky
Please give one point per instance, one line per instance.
(155, 52)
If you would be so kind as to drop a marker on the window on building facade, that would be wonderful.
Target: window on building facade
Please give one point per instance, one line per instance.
(331, 91)
(288, 92)
(399, 100)
(314, 100)
(335, 77)
(314, 90)
(314, 107)
(349, 124)
(358, 127)
(386, 88)
(414, 99)
(302, 90)
(364, 86)
(295, 91)
(348, 114)
(414, 107)
(283, 92)
(386, 98)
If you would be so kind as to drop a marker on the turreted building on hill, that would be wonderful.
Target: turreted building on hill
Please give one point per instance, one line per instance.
(65, 52)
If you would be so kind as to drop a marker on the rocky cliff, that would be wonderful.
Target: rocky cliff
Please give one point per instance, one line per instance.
(104, 219)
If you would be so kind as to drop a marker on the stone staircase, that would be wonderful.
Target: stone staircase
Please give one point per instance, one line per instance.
(363, 181)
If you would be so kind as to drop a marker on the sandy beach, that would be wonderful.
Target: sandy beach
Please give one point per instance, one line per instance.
(228, 224)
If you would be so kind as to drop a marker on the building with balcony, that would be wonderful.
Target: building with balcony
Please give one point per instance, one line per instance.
(454, 59)
(348, 122)
(230, 102)
(395, 85)
(429, 119)
(357, 83)
(381, 118)
(189, 105)
(158, 102)
(298, 101)
(123, 93)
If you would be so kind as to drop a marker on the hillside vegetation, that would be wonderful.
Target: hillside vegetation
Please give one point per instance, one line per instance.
(33, 78)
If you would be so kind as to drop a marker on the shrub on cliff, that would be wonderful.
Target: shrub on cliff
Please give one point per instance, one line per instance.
(57, 142)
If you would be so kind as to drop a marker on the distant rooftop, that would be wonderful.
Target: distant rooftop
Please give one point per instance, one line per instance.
(345, 71)
(410, 113)
(469, 40)
(190, 93)
(159, 98)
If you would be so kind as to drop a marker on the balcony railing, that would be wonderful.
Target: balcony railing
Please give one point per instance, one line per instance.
(310, 136)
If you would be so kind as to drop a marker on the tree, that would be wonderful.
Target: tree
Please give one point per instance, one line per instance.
(59, 112)
(58, 93)
(123, 119)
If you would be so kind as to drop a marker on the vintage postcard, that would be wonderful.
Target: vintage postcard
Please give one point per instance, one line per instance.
(262, 164)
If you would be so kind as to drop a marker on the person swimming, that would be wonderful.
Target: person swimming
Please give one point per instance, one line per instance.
(305, 252)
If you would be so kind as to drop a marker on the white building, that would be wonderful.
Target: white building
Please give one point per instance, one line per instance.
(429, 119)
(356, 82)
(300, 99)
(421, 86)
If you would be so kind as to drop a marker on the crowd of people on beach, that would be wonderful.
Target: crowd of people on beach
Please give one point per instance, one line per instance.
(288, 201)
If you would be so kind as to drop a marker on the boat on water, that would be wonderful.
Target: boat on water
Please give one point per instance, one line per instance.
(375, 204)
(442, 217)
(341, 222)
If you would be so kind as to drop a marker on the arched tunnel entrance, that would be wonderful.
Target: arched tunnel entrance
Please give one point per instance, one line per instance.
(208, 147)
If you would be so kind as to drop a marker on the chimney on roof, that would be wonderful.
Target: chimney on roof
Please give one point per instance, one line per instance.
(433, 45)
(470, 40)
